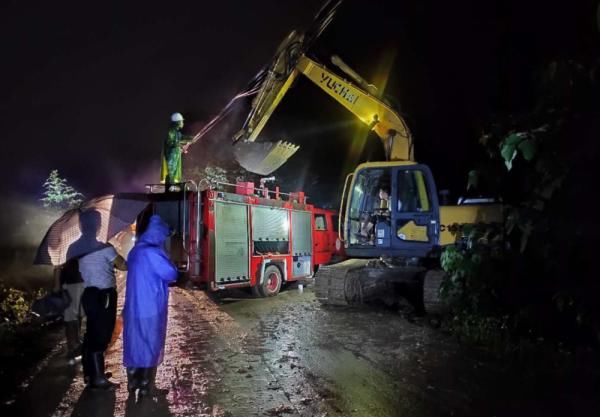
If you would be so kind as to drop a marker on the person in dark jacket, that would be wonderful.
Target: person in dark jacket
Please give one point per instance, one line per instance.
(69, 279)
(146, 305)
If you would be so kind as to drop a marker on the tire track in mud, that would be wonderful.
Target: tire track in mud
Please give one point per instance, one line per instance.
(248, 369)
(283, 332)
(366, 362)
(263, 375)
(339, 361)
(186, 370)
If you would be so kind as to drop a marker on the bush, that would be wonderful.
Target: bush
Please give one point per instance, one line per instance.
(537, 285)
(15, 305)
(473, 288)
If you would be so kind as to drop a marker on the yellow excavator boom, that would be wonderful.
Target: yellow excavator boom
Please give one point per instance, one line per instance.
(288, 64)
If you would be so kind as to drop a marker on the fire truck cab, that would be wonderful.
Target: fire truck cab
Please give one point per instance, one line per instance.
(326, 243)
(245, 238)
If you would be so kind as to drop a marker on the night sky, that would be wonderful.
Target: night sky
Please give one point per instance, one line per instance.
(88, 87)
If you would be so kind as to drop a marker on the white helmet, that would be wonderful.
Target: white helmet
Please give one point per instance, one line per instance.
(176, 117)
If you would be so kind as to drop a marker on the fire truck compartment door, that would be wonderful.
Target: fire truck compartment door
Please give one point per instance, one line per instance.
(301, 244)
(269, 224)
(301, 233)
(231, 243)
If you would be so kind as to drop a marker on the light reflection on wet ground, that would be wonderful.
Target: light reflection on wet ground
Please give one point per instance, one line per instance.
(290, 356)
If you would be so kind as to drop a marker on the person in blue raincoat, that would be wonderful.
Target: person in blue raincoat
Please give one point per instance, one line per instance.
(146, 304)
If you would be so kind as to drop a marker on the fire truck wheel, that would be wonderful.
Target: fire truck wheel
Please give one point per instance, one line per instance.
(271, 282)
(256, 291)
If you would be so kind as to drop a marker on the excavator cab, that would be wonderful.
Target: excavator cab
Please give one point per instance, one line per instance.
(392, 210)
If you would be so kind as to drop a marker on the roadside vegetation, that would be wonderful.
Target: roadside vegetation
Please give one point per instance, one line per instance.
(532, 284)
(25, 337)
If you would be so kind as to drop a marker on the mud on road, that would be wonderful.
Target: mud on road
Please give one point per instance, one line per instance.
(290, 356)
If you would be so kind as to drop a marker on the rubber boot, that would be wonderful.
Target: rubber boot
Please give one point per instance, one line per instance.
(73, 341)
(86, 363)
(88, 366)
(97, 377)
(133, 379)
(147, 377)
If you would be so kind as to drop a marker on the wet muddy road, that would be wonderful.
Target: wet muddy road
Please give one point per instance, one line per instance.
(290, 356)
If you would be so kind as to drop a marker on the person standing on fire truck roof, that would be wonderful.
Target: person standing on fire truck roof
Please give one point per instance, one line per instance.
(175, 143)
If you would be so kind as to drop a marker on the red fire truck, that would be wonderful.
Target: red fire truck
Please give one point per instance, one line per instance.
(249, 237)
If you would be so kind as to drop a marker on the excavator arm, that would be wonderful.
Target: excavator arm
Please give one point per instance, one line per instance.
(288, 64)
(383, 120)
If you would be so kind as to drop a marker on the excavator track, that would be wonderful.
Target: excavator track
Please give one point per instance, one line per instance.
(356, 281)
(331, 282)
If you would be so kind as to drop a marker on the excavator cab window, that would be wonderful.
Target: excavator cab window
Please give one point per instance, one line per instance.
(369, 204)
(392, 210)
(412, 192)
(416, 213)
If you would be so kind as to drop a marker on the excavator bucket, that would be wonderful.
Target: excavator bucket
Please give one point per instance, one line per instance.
(263, 157)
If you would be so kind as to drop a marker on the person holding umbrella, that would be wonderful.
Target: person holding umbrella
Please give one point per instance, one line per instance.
(146, 305)
(99, 299)
(83, 233)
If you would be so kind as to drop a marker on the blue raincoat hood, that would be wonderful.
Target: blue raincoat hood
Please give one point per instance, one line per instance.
(156, 233)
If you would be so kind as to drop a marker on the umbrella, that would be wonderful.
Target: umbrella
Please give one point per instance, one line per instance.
(89, 227)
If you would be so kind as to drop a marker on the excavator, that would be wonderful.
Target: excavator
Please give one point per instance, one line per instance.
(391, 223)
